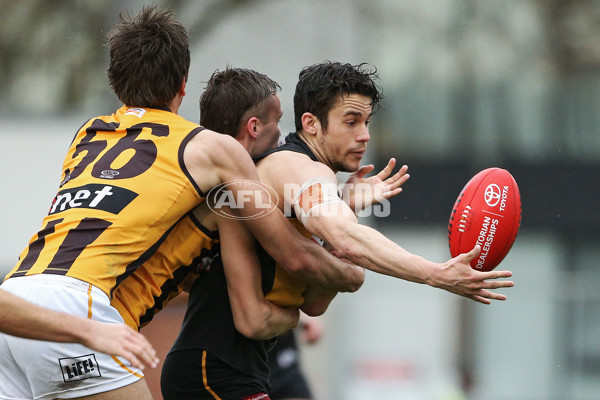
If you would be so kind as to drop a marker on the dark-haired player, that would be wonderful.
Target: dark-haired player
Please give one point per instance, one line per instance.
(333, 105)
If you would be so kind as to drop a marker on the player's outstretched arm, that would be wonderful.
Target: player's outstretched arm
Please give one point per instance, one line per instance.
(370, 249)
(302, 258)
(19, 317)
(329, 218)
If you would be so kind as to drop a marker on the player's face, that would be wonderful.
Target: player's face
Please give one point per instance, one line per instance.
(269, 131)
(344, 142)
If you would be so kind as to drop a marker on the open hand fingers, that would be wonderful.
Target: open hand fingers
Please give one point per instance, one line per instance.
(471, 255)
(495, 275)
(394, 183)
(139, 351)
(384, 173)
(399, 177)
(497, 284)
(147, 353)
(134, 360)
(479, 299)
(491, 295)
(390, 193)
(485, 296)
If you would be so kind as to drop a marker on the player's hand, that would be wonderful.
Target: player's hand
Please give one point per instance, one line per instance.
(457, 276)
(122, 341)
(360, 192)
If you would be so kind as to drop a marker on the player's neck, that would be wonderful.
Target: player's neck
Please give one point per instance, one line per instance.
(175, 104)
(311, 142)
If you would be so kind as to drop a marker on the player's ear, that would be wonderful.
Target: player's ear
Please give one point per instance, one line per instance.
(310, 123)
(182, 89)
(252, 127)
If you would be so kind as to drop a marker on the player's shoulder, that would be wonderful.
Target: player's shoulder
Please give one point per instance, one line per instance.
(215, 144)
(292, 167)
(208, 136)
(291, 160)
(286, 156)
(285, 161)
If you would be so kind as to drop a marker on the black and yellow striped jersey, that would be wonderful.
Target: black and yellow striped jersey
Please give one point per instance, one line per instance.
(124, 187)
(282, 289)
(287, 291)
(208, 323)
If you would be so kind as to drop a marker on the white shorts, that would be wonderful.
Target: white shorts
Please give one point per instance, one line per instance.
(33, 369)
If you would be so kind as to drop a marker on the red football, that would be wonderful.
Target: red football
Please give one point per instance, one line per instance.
(487, 212)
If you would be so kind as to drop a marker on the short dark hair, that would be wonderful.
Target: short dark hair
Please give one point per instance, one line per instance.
(149, 58)
(230, 94)
(320, 86)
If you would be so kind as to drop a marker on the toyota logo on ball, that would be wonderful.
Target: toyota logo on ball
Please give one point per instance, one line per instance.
(492, 195)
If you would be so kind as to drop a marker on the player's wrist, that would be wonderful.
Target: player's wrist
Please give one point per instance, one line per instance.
(431, 273)
(84, 332)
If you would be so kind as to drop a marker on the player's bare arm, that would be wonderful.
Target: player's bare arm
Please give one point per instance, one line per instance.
(334, 222)
(25, 319)
(253, 316)
(316, 297)
(212, 159)
(305, 260)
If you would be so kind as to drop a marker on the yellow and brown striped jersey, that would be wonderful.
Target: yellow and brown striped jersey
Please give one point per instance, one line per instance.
(124, 187)
(187, 250)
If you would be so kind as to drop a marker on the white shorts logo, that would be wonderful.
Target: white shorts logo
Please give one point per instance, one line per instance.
(79, 368)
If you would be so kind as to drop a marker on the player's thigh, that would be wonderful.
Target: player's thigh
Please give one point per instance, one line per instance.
(13, 383)
(67, 370)
(136, 391)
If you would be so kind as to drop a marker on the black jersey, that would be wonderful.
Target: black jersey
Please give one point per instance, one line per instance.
(292, 142)
(208, 322)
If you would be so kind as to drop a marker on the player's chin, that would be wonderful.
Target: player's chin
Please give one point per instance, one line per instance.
(350, 167)
(353, 161)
